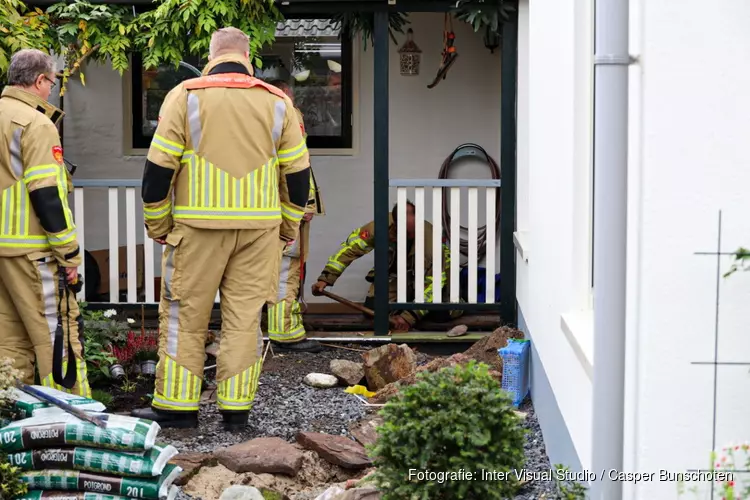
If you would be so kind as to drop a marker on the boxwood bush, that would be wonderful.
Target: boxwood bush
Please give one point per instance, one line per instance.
(452, 422)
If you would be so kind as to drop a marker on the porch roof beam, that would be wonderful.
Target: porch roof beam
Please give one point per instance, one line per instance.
(380, 170)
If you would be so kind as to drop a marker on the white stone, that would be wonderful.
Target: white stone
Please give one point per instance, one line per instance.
(238, 492)
(331, 493)
(321, 380)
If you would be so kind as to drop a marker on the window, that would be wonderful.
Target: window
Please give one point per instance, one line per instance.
(307, 54)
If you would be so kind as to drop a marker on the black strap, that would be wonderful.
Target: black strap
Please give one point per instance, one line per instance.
(69, 380)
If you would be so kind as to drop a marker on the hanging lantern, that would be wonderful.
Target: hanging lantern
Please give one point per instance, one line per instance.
(410, 55)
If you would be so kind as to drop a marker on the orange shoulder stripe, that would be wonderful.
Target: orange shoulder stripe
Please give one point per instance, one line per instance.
(231, 80)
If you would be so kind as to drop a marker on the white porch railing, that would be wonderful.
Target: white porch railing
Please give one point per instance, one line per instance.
(86, 189)
(455, 187)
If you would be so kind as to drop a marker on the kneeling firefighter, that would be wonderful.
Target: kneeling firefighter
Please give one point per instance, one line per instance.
(224, 188)
(39, 252)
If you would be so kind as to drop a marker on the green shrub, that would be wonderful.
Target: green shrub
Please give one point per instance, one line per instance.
(10, 480)
(455, 419)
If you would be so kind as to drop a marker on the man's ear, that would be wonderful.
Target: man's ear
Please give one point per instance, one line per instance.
(39, 80)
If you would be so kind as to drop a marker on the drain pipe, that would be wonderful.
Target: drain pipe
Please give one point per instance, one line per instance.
(611, 62)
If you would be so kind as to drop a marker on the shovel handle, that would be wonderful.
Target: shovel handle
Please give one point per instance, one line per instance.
(77, 412)
(353, 305)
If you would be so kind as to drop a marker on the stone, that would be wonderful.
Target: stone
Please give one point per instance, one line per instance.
(337, 450)
(392, 389)
(458, 331)
(321, 380)
(210, 482)
(368, 493)
(208, 396)
(238, 492)
(191, 463)
(348, 372)
(331, 493)
(364, 431)
(270, 455)
(387, 364)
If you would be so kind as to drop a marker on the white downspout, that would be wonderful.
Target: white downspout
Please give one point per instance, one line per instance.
(611, 60)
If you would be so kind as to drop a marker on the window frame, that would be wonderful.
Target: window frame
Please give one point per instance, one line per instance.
(340, 144)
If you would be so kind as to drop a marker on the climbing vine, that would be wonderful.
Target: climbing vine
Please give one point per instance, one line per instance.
(78, 30)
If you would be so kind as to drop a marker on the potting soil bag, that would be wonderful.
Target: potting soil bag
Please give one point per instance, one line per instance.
(157, 488)
(28, 406)
(80, 495)
(64, 429)
(148, 464)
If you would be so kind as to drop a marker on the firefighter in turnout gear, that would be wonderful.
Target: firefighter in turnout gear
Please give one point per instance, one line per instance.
(39, 252)
(362, 241)
(224, 188)
(285, 327)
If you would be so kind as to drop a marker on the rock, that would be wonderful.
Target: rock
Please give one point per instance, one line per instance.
(210, 482)
(364, 431)
(208, 396)
(387, 364)
(368, 493)
(262, 455)
(390, 390)
(321, 380)
(238, 492)
(348, 372)
(337, 450)
(458, 331)
(331, 493)
(191, 463)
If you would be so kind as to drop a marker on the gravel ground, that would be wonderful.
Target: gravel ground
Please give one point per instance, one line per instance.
(284, 406)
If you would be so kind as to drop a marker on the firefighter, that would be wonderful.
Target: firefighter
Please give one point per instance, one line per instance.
(362, 240)
(224, 188)
(37, 234)
(285, 327)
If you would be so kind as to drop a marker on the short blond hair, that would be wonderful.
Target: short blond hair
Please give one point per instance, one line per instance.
(228, 40)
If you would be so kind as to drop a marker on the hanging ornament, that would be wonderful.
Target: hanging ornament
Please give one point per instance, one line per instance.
(410, 55)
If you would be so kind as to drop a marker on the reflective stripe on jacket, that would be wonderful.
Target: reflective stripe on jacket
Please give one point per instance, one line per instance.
(34, 183)
(224, 153)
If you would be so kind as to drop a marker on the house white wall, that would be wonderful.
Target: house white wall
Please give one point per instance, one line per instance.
(425, 126)
(553, 176)
(688, 159)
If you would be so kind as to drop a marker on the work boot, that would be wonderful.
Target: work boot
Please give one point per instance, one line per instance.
(235, 421)
(165, 419)
(299, 346)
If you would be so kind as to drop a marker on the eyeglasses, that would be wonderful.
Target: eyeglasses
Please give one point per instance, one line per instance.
(51, 81)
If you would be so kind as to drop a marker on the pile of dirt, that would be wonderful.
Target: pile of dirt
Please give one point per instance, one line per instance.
(485, 350)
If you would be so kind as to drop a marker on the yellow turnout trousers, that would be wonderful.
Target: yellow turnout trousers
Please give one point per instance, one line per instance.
(243, 265)
(285, 317)
(28, 315)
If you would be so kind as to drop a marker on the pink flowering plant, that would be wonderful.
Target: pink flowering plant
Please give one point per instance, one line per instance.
(734, 485)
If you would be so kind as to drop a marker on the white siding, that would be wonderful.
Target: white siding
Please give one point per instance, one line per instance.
(688, 159)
